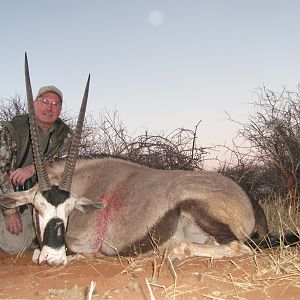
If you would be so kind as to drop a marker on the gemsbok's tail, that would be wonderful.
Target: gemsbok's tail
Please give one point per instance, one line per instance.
(261, 238)
(273, 241)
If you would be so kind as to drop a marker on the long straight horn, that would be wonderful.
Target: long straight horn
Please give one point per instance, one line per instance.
(66, 180)
(39, 162)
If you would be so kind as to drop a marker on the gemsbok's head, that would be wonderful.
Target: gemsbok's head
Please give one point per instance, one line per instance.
(52, 203)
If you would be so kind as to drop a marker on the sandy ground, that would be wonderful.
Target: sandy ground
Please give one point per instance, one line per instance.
(261, 276)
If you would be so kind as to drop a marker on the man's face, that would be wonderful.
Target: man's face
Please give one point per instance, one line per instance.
(47, 108)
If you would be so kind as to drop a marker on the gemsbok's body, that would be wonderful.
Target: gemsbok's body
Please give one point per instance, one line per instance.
(147, 207)
(117, 207)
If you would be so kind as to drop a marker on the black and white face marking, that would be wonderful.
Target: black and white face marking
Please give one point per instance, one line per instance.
(52, 210)
(54, 234)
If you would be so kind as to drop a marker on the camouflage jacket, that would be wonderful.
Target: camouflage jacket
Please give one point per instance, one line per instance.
(14, 140)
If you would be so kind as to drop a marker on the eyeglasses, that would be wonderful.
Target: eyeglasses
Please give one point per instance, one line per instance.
(55, 104)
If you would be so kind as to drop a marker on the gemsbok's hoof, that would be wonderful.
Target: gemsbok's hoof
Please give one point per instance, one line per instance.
(36, 255)
(236, 248)
(179, 254)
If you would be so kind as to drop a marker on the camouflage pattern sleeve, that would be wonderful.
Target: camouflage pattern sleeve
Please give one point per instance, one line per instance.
(7, 160)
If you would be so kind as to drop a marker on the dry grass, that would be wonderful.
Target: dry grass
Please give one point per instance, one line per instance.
(257, 275)
(281, 218)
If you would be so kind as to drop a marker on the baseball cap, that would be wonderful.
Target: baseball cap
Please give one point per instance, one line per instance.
(50, 88)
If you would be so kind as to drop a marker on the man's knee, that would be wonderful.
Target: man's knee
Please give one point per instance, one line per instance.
(14, 244)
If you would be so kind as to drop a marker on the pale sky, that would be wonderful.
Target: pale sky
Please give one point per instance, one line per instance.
(161, 64)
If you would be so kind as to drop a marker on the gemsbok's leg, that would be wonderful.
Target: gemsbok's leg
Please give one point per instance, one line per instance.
(187, 250)
(201, 233)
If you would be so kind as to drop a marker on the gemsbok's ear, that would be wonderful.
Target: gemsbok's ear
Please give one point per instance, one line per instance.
(15, 199)
(87, 206)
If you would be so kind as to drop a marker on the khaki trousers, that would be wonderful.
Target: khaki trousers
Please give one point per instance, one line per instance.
(14, 244)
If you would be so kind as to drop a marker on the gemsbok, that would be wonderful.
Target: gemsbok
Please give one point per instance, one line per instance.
(117, 207)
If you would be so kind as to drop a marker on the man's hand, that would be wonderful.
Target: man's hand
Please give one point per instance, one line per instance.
(19, 176)
(13, 223)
